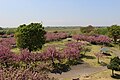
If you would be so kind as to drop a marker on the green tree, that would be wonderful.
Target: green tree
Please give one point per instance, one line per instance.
(114, 32)
(102, 31)
(114, 64)
(87, 29)
(2, 32)
(30, 36)
(10, 31)
(1, 28)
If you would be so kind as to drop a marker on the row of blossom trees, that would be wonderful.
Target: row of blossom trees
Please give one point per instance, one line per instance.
(98, 39)
(49, 55)
(51, 36)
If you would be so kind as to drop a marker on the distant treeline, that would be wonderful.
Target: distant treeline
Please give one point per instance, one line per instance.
(68, 29)
(7, 31)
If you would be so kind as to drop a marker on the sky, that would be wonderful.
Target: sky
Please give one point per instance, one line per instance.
(59, 12)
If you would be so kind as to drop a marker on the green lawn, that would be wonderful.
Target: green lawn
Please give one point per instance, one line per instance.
(16, 50)
(103, 75)
(92, 60)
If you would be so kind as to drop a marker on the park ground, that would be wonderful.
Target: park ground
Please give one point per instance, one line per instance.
(89, 69)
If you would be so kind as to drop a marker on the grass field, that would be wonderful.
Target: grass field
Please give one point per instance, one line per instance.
(70, 30)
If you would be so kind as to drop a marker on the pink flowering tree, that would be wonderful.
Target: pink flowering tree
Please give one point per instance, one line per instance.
(72, 52)
(98, 39)
(51, 53)
(6, 56)
(50, 36)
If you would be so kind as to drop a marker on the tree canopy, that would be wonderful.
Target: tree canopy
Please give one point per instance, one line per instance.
(1, 28)
(114, 32)
(114, 64)
(87, 29)
(30, 36)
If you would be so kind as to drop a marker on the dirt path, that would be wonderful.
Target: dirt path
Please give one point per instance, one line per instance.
(77, 71)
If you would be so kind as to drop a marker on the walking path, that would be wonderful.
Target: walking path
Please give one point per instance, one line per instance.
(78, 70)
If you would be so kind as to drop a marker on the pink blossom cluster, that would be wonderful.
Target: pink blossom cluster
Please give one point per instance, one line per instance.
(92, 39)
(50, 36)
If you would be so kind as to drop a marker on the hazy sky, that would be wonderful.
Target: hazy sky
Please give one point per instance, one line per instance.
(59, 12)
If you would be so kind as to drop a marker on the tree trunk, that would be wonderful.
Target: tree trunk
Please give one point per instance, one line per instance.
(53, 62)
(77, 40)
(85, 52)
(112, 72)
(115, 39)
(98, 60)
(6, 64)
(30, 50)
